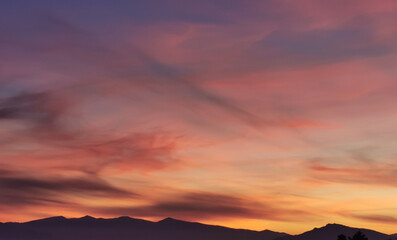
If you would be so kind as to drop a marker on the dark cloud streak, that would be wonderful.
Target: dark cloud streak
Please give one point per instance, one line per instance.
(368, 174)
(286, 48)
(374, 218)
(22, 189)
(203, 205)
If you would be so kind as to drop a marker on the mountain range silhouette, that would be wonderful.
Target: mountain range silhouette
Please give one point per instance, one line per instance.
(126, 228)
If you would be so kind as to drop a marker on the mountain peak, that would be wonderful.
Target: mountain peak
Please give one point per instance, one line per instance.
(334, 225)
(87, 217)
(169, 220)
(332, 230)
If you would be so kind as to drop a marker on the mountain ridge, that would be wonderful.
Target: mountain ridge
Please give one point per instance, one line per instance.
(128, 228)
(332, 230)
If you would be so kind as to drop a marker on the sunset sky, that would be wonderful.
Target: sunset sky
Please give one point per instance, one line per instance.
(273, 114)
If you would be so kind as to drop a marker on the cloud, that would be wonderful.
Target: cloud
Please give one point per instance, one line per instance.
(23, 189)
(368, 174)
(145, 152)
(374, 218)
(204, 205)
(94, 68)
(44, 115)
(174, 79)
(95, 63)
(41, 112)
(97, 154)
(286, 48)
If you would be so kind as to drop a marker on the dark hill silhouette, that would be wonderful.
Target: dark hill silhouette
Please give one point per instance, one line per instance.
(331, 232)
(126, 228)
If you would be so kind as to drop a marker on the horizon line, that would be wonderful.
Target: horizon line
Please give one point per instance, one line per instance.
(180, 220)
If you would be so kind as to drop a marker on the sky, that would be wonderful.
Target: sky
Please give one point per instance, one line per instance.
(273, 114)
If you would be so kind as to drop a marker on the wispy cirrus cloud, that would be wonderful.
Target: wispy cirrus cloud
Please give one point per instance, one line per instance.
(286, 49)
(375, 218)
(368, 174)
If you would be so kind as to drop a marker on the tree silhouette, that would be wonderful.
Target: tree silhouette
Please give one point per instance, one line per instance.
(357, 236)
